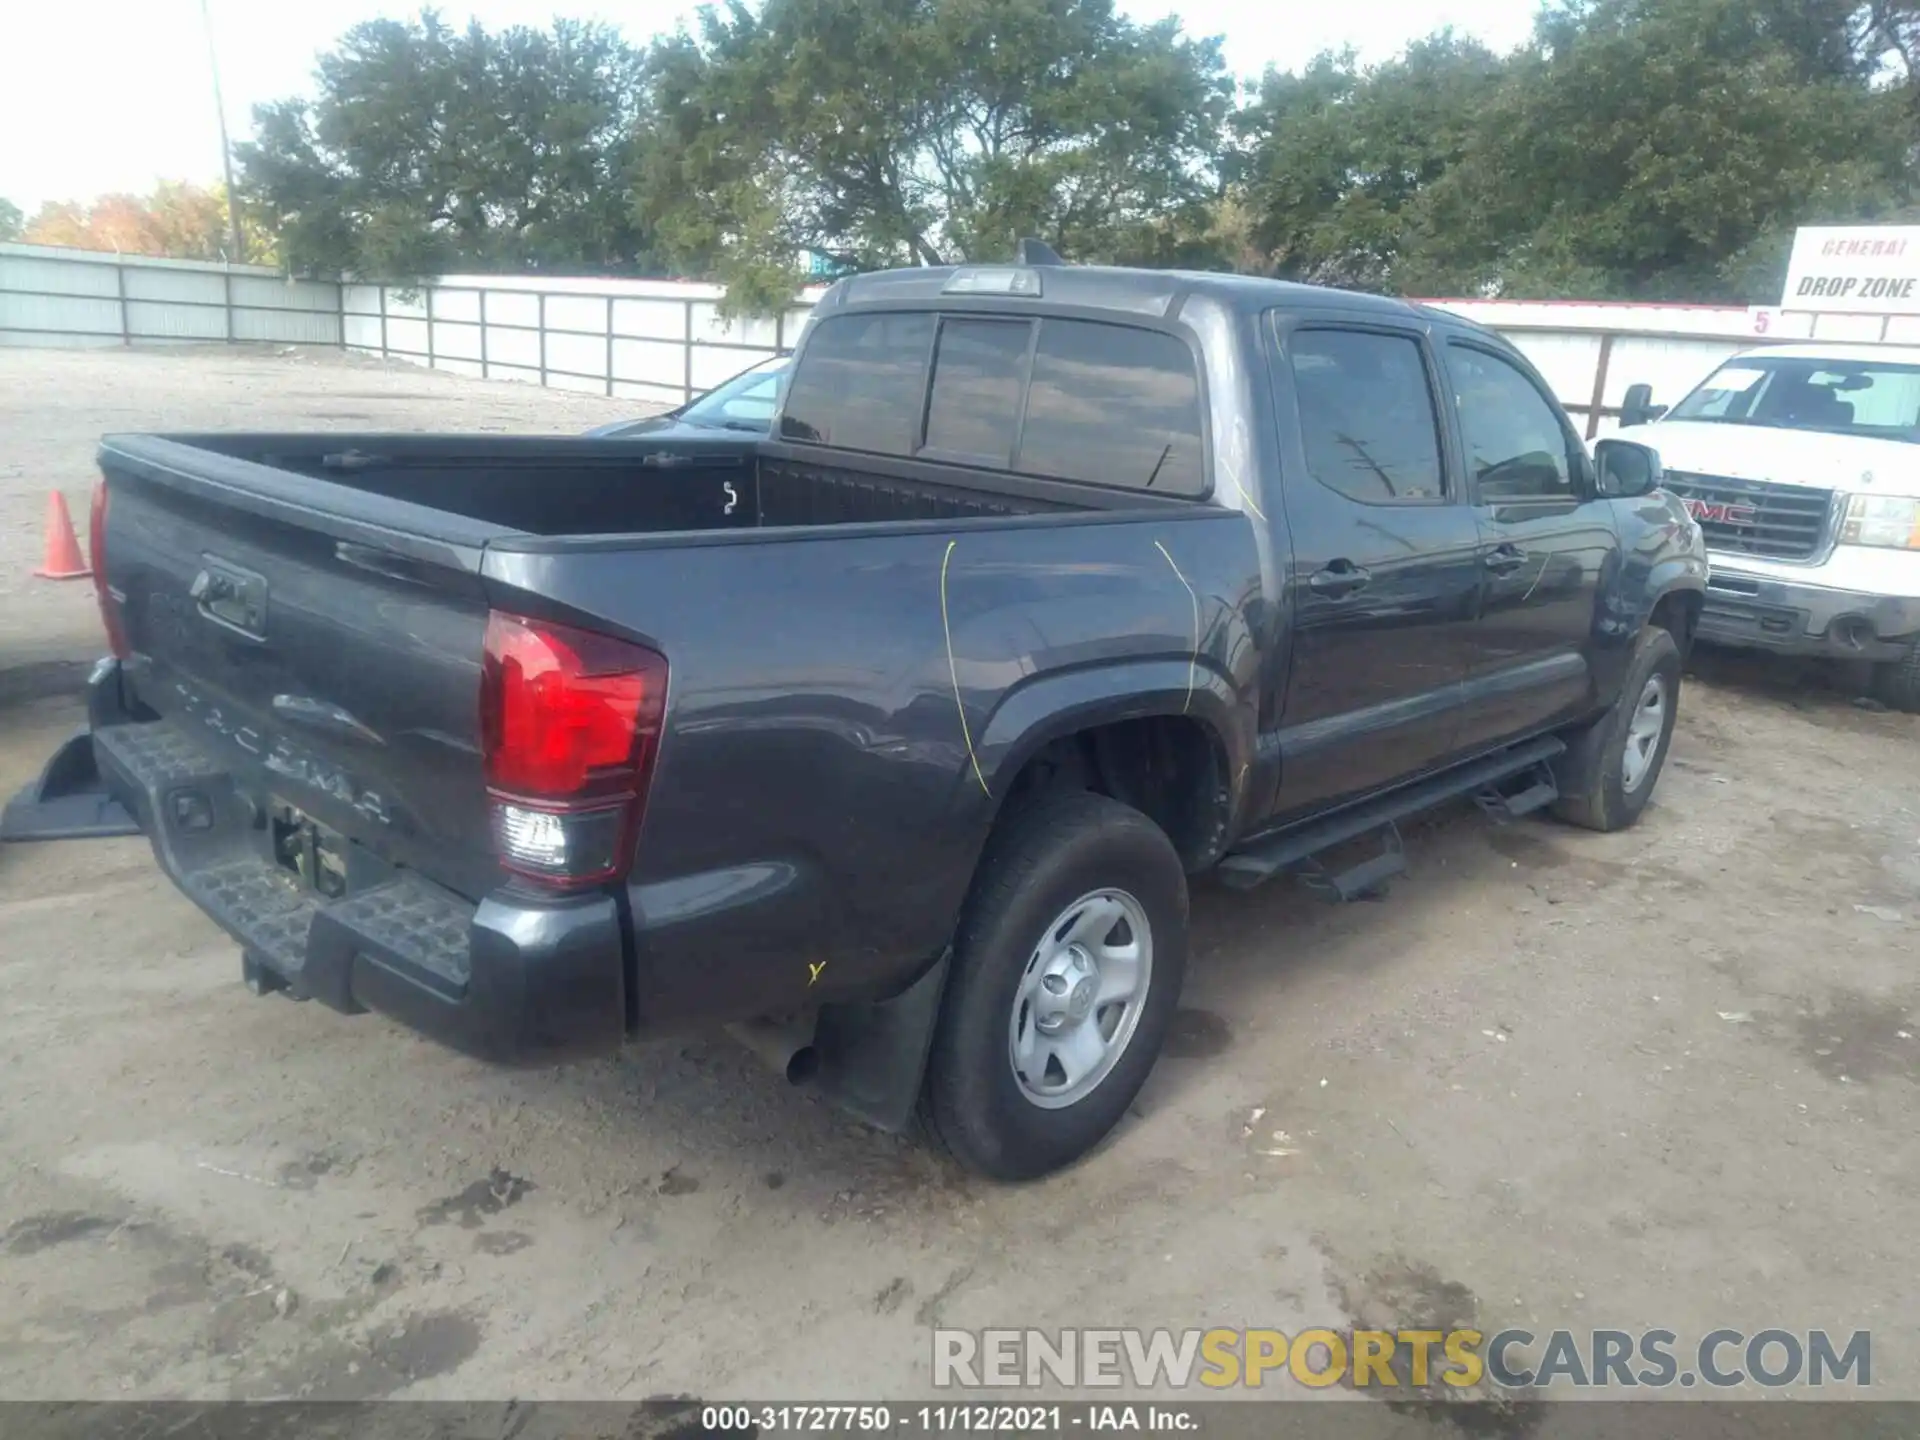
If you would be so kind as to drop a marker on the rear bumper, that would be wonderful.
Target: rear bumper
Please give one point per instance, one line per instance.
(517, 979)
(1796, 618)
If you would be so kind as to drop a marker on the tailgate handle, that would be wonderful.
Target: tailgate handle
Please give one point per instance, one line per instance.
(210, 589)
(231, 596)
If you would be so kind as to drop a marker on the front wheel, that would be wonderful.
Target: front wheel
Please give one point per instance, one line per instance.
(1610, 768)
(1898, 681)
(1066, 971)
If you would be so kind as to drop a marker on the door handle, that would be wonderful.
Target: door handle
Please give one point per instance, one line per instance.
(1504, 560)
(1342, 577)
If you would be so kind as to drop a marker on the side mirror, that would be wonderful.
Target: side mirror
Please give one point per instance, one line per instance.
(1638, 408)
(1627, 468)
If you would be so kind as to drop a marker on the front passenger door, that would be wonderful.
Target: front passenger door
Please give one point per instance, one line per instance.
(1545, 538)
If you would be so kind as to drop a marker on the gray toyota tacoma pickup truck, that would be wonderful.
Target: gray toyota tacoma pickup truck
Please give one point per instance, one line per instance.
(891, 738)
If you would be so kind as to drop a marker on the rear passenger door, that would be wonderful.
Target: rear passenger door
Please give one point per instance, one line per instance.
(1385, 578)
(1545, 538)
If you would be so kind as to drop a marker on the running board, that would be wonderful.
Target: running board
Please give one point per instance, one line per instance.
(1244, 869)
(1534, 790)
(68, 801)
(1365, 881)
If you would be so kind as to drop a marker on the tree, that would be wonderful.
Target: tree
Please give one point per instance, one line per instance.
(1634, 148)
(1339, 166)
(11, 220)
(428, 149)
(179, 221)
(882, 132)
(1653, 148)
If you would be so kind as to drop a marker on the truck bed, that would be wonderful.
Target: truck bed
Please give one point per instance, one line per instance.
(313, 606)
(577, 486)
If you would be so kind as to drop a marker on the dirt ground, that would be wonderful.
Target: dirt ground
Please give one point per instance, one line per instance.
(1661, 1078)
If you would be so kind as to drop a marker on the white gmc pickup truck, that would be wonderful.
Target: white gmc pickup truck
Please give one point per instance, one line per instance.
(1802, 465)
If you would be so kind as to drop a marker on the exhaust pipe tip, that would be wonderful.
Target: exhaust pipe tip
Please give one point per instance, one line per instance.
(803, 1065)
(786, 1046)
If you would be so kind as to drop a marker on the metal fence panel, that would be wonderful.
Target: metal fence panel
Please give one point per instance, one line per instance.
(710, 329)
(407, 337)
(360, 332)
(511, 307)
(650, 364)
(53, 315)
(163, 320)
(287, 327)
(664, 341)
(650, 319)
(586, 313)
(255, 293)
(455, 339)
(190, 287)
(576, 355)
(512, 348)
(37, 275)
(453, 303)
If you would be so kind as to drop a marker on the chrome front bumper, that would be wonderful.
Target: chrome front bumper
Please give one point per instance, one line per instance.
(1800, 619)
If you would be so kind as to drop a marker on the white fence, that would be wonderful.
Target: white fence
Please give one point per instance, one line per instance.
(1590, 352)
(660, 340)
(50, 296)
(664, 341)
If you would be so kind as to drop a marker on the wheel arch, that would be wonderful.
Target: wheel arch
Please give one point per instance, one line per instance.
(1169, 738)
(1677, 611)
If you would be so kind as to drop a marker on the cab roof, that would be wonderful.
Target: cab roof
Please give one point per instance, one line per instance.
(1120, 289)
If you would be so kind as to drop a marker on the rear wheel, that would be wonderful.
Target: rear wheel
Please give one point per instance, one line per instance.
(1898, 681)
(1066, 970)
(1610, 768)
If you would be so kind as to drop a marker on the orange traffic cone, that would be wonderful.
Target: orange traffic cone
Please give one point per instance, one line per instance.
(63, 558)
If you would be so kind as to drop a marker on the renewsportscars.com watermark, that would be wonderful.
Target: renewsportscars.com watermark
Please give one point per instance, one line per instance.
(1222, 1359)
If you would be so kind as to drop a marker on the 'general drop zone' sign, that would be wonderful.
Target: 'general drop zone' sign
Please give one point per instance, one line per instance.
(1855, 270)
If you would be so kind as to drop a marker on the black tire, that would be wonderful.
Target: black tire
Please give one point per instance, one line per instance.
(1898, 681)
(1593, 790)
(1037, 865)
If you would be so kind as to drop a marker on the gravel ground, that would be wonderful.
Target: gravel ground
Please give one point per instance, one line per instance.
(1662, 1078)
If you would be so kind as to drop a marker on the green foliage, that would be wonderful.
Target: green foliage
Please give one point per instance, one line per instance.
(899, 131)
(1663, 144)
(12, 221)
(1631, 148)
(429, 149)
(1635, 148)
(1341, 168)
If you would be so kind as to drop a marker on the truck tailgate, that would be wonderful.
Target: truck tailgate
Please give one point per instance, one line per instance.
(324, 645)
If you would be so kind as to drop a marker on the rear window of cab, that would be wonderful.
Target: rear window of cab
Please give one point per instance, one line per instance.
(1079, 400)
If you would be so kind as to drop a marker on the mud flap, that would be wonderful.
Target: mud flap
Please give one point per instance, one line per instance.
(68, 802)
(873, 1057)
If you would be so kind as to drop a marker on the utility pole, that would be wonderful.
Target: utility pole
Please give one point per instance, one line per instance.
(237, 239)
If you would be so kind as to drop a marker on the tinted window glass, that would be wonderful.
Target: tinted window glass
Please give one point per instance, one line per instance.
(860, 383)
(978, 373)
(1367, 420)
(1516, 448)
(1112, 405)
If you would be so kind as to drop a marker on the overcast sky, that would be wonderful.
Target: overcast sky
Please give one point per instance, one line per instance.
(99, 95)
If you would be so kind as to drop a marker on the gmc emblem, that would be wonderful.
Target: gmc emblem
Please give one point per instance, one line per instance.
(1714, 512)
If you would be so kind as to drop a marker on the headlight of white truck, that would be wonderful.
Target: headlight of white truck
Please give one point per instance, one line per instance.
(1882, 520)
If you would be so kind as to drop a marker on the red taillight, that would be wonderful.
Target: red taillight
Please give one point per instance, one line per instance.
(97, 558)
(569, 722)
